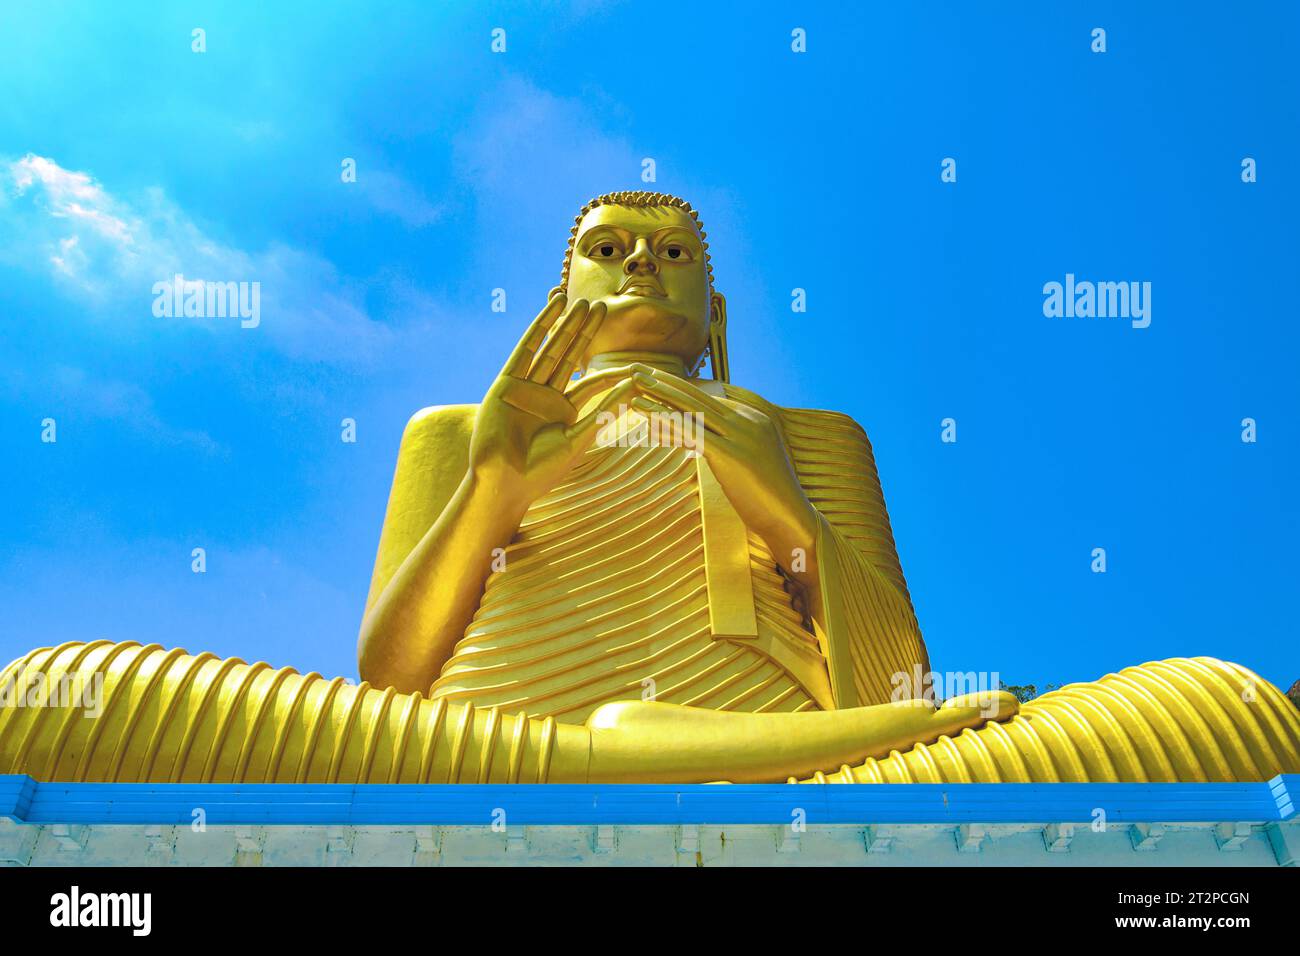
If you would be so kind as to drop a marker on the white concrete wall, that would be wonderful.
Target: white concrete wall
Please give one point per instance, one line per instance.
(819, 845)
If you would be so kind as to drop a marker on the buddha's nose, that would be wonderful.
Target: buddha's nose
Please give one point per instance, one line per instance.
(641, 260)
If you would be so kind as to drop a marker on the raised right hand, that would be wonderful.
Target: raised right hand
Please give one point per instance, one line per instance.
(527, 435)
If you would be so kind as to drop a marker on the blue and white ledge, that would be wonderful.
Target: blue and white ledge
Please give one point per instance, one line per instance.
(81, 824)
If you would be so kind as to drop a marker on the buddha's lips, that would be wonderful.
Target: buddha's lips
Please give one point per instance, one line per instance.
(640, 285)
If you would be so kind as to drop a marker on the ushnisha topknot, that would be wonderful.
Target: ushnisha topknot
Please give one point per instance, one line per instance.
(636, 199)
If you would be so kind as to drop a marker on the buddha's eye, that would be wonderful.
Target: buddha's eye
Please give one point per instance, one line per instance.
(603, 250)
(678, 252)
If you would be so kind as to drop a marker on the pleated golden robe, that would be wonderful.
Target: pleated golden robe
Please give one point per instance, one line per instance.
(635, 579)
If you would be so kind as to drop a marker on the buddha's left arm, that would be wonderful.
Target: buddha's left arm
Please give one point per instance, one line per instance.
(858, 600)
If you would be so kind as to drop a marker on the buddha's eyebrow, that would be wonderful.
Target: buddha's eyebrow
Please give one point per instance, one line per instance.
(669, 230)
(627, 235)
(603, 227)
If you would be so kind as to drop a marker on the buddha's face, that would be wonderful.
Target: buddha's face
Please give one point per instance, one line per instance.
(647, 265)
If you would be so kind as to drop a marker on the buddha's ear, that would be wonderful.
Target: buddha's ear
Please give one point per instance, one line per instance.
(718, 337)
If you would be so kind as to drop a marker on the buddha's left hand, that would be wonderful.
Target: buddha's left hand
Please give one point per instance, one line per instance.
(744, 448)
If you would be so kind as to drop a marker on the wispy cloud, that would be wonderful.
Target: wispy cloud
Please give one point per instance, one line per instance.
(531, 157)
(94, 398)
(108, 250)
(529, 150)
(82, 222)
(391, 194)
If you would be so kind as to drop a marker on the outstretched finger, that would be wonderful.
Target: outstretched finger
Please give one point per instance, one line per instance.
(531, 341)
(581, 391)
(578, 347)
(563, 333)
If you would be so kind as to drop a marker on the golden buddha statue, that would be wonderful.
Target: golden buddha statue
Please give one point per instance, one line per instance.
(614, 570)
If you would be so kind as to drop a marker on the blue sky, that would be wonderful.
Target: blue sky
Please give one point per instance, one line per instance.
(125, 157)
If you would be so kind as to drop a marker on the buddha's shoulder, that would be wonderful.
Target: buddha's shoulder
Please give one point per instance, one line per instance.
(439, 426)
(812, 421)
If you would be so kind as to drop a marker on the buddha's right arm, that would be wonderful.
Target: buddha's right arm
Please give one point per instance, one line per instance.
(435, 552)
(108, 712)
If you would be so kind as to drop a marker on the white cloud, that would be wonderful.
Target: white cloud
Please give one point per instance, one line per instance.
(107, 251)
(71, 195)
(63, 186)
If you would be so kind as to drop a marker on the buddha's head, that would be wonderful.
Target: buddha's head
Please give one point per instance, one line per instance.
(644, 255)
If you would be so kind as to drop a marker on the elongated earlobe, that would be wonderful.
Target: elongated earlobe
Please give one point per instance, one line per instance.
(718, 338)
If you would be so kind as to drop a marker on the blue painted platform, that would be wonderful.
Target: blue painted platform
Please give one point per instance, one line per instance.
(25, 800)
